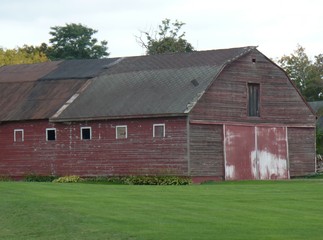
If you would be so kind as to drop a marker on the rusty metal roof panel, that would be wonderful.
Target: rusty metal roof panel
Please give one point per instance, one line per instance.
(26, 72)
(37, 91)
(35, 100)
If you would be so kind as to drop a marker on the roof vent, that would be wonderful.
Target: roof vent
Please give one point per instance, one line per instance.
(195, 82)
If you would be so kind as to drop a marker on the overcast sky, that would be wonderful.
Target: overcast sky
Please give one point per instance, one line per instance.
(276, 26)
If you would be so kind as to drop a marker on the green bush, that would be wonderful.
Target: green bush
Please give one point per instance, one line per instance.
(69, 179)
(315, 176)
(39, 178)
(130, 180)
(104, 180)
(5, 179)
(157, 180)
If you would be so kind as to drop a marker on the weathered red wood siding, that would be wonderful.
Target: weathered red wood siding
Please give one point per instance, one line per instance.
(206, 151)
(280, 104)
(301, 151)
(226, 99)
(139, 154)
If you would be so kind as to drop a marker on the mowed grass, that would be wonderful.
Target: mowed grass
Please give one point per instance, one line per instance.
(227, 210)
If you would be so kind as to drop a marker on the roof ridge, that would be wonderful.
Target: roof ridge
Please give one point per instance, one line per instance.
(248, 49)
(192, 52)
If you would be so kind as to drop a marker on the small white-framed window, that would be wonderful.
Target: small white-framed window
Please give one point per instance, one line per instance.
(86, 133)
(18, 135)
(50, 134)
(121, 132)
(159, 130)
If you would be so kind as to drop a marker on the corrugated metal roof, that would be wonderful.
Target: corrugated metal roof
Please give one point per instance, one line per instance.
(35, 100)
(37, 91)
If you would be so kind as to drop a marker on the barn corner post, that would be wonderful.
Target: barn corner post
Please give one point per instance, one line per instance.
(224, 153)
(288, 164)
(188, 155)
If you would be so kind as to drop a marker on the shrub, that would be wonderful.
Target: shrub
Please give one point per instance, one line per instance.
(69, 179)
(104, 180)
(5, 179)
(315, 176)
(130, 180)
(39, 178)
(157, 180)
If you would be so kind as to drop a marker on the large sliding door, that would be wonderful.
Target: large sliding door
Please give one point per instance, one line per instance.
(255, 152)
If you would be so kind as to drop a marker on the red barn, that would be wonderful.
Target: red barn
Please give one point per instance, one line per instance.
(220, 114)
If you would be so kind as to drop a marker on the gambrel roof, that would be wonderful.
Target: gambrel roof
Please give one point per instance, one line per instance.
(157, 85)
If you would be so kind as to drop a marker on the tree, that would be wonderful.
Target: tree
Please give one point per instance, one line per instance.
(20, 55)
(307, 75)
(75, 41)
(167, 40)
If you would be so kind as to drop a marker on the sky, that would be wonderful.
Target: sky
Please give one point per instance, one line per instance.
(275, 26)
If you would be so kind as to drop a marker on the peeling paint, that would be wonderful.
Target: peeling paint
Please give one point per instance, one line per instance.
(230, 136)
(229, 171)
(271, 166)
(266, 165)
(256, 152)
(254, 164)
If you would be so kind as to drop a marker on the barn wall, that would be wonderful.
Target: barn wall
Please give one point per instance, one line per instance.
(225, 102)
(301, 143)
(139, 154)
(226, 99)
(206, 151)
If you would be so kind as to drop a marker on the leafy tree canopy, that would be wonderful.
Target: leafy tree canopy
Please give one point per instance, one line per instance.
(319, 139)
(20, 55)
(306, 74)
(167, 40)
(75, 41)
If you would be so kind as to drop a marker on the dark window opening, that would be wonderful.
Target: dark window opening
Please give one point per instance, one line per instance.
(254, 60)
(51, 134)
(86, 133)
(253, 99)
(159, 130)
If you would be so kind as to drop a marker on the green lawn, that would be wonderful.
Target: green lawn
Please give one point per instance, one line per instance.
(227, 210)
